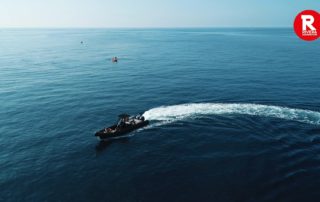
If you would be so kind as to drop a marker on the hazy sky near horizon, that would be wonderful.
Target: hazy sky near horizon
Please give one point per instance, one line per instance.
(152, 13)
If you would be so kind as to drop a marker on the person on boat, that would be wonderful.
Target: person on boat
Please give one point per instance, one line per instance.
(121, 123)
(126, 119)
(109, 130)
(133, 122)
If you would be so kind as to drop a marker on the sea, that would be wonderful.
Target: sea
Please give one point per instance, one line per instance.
(234, 115)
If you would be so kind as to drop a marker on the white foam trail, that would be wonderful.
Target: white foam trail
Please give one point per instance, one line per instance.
(179, 112)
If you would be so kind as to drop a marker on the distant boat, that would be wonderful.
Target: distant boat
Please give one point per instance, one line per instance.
(114, 59)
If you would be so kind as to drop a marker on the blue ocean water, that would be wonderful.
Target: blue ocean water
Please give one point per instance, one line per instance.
(235, 115)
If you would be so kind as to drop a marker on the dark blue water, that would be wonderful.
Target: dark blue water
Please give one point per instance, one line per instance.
(235, 115)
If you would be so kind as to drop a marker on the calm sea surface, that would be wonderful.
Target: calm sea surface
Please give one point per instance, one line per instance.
(235, 115)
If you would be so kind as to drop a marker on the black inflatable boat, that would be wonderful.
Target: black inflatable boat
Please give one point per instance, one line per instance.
(126, 124)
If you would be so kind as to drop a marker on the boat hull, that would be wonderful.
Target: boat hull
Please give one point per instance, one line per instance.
(102, 135)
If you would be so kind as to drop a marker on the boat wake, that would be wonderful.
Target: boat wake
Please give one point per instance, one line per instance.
(168, 114)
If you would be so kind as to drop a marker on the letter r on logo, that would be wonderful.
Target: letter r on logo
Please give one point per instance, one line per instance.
(307, 20)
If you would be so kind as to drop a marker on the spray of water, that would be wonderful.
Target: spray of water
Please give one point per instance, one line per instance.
(173, 113)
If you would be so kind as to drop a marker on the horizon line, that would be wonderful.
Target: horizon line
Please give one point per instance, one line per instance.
(138, 27)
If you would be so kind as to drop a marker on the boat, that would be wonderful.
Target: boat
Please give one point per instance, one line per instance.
(125, 125)
(115, 59)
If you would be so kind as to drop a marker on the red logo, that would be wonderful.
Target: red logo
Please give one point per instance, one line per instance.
(307, 25)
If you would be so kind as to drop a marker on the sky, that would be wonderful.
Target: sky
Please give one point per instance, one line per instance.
(152, 13)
